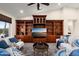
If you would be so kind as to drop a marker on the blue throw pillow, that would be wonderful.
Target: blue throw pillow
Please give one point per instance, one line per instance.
(3, 44)
(74, 53)
(13, 40)
(59, 42)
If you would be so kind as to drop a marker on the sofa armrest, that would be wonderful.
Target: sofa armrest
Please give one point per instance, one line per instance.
(20, 44)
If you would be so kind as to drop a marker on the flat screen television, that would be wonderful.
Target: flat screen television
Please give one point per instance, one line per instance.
(39, 32)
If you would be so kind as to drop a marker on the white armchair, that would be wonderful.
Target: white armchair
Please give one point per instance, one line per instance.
(18, 44)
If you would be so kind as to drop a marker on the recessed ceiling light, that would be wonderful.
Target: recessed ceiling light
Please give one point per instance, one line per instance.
(21, 11)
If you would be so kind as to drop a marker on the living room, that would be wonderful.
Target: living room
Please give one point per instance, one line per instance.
(43, 25)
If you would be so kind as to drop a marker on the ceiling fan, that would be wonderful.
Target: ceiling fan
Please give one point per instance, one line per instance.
(38, 5)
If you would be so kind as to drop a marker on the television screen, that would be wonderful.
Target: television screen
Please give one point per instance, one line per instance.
(39, 32)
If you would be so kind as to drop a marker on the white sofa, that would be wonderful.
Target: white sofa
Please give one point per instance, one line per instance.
(13, 49)
(68, 47)
(19, 44)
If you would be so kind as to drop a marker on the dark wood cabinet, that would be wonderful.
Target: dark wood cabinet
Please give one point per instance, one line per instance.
(50, 27)
(55, 27)
(39, 39)
(24, 38)
(51, 38)
(24, 29)
(58, 28)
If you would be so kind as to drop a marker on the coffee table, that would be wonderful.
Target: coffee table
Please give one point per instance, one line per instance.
(40, 48)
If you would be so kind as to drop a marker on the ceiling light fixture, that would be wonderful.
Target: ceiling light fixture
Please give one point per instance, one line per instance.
(21, 11)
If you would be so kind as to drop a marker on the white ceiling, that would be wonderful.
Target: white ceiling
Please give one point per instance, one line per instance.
(14, 8)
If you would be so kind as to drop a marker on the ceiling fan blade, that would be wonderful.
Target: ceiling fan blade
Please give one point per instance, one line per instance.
(38, 6)
(47, 4)
(30, 4)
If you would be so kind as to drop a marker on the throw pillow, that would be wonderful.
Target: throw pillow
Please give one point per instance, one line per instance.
(13, 40)
(3, 44)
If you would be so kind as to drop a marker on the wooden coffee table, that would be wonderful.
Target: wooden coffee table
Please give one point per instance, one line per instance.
(40, 48)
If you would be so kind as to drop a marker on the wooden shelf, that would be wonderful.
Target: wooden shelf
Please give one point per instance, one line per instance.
(55, 27)
(27, 26)
(39, 19)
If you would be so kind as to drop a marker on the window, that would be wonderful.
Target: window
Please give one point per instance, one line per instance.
(4, 29)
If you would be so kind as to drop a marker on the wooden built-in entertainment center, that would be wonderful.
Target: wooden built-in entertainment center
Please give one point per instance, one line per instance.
(24, 29)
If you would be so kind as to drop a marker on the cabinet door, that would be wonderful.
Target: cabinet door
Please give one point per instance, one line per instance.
(27, 38)
(39, 39)
(51, 38)
(58, 28)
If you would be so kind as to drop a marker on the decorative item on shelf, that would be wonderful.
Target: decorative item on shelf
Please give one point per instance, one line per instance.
(69, 33)
(22, 30)
(69, 30)
(58, 33)
(70, 27)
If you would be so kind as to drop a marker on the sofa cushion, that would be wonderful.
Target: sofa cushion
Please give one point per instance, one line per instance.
(74, 53)
(3, 44)
(3, 52)
(13, 40)
(76, 42)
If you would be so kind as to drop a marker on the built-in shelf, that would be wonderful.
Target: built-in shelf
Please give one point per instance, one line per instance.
(39, 19)
(24, 28)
